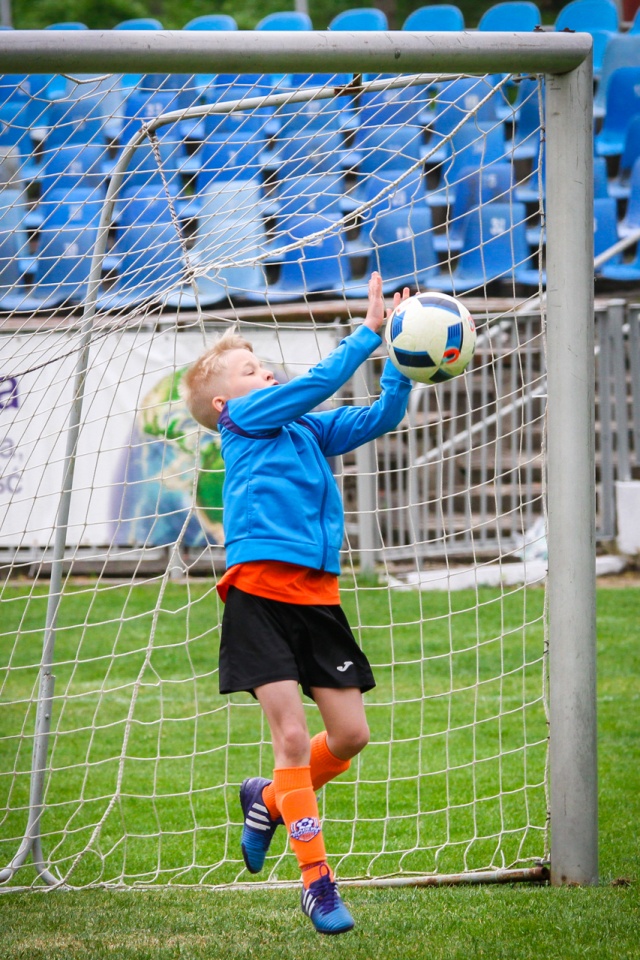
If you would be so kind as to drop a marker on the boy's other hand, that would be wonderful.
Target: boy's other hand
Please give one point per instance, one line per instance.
(376, 314)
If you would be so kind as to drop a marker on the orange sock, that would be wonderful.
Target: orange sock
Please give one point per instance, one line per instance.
(298, 806)
(324, 767)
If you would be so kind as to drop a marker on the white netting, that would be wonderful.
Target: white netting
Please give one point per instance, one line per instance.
(269, 215)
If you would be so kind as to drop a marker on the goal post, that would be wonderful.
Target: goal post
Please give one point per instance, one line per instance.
(564, 61)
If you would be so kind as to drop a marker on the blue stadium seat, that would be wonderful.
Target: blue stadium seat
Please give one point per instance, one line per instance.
(619, 186)
(495, 248)
(377, 150)
(605, 226)
(387, 191)
(209, 21)
(472, 145)
(66, 241)
(366, 18)
(623, 101)
(258, 121)
(529, 119)
(148, 250)
(306, 156)
(285, 20)
(635, 23)
(588, 15)
(14, 246)
(437, 16)
(228, 156)
(476, 185)
(65, 171)
(631, 220)
(230, 227)
(454, 100)
(404, 105)
(402, 250)
(622, 50)
(601, 40)
(130, 80)
(511, 15)
(318, 266)
(317, 194)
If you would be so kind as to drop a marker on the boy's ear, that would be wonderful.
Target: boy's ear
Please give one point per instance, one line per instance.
(218, 403)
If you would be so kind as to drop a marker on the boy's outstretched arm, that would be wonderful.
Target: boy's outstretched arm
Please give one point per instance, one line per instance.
(271, 408)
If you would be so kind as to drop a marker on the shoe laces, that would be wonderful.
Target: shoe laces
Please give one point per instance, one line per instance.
(325, 891)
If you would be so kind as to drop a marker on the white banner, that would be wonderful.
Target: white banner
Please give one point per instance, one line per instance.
(135, 479)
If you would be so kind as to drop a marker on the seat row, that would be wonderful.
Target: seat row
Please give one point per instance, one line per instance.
(239, 253)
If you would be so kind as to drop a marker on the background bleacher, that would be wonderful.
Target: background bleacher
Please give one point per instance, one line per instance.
(245, 185)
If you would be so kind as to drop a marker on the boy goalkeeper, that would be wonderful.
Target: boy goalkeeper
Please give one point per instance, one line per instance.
(283, 626)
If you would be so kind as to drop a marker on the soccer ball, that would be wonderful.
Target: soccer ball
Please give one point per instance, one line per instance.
(431, 337)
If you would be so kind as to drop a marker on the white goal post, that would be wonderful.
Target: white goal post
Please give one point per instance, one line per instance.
(563, 61)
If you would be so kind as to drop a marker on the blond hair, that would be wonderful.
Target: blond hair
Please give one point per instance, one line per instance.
(201, 382)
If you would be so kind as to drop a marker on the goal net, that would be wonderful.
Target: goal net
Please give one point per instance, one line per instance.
(139, 217)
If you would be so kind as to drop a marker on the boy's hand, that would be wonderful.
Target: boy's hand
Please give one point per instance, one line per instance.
(376, 314)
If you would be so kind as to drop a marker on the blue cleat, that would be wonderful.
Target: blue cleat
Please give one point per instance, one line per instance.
(323, 905)
(258, 828)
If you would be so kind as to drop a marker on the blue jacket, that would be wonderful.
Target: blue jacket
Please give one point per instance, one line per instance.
(281, 501)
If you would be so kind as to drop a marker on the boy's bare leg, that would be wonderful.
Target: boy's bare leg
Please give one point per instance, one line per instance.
(344, 720)
(296, 800)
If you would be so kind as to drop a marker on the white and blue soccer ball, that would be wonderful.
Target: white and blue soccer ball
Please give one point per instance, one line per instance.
(431, 337)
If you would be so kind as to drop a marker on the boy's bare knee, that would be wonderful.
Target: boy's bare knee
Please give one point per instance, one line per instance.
(292, 746)
(349, 743)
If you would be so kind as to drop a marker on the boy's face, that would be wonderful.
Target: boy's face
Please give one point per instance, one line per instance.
(243, 373)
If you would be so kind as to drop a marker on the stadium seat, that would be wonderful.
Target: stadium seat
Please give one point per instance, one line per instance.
(380, 149)
(366, 18)
(511, 15)
(14, 250)
(528, 121)
(495, 248)
(622, 50)
(317, 266)
(313, 116)
(209, 21)
(130, 80)
(472, 145)
(588, 15)
(230, 227)
(63, 172)
(601, 40)
(623, 102)
(438, 16)
(630, 223)
(285, 20)
(317, 194)
(305, 156)
(148, 250)
(454, 100)
(605, 226)
(476, 185)
(402, 250)
(403, 105)
(228, 156)
(635, 23)
(66, 241)
(619, 185)
(379, 194)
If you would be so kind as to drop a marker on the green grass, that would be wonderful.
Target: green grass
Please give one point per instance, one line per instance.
(513, 921)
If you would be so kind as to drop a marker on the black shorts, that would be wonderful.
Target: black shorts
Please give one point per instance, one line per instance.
(264, 641)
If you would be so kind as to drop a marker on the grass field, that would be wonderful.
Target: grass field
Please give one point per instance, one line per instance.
(513, 921)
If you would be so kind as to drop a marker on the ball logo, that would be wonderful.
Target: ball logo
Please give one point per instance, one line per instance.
(305, 829)
(451, 355)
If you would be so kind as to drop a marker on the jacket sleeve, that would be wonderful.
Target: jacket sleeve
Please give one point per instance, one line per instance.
(263, 411)
(342, 430)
